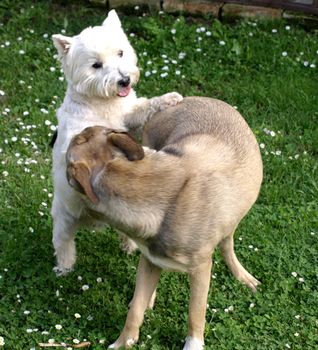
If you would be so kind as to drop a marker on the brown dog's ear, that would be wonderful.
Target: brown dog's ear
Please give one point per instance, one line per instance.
(131, 149)
(80, 172)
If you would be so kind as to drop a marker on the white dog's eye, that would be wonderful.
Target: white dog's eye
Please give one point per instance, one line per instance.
(97, 65)
(120, 53)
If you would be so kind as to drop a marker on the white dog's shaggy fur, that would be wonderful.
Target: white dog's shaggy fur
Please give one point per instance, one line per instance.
(100, 67)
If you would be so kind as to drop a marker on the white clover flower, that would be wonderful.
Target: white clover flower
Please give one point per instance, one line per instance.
(61, 78)
(79, 278)
(76, 341)
(85, 287)
(51, 341)
(45, 36)
(287, 346)
(21, 52)
(198, 49)
(251, 305)
(58, 327)
(2, 342)
(2, 93)
(26, 312)
(25, 113)
(154, 71)
(52, 69)
(274, 31)
(262, 145)
(301, 280)
(29, 330)
(132, 35)
(278, 153)
(77, 315)
(272, 133)
(222, 42)
(306, 63)
(173, 31)
(287, 27)
(294, 274)
(99, 280)
(45, 333)
(284, 53)
(296, 334)
(5, 173)
(163, 75)
(312, 65)
(297, 317)
(208, 33)
(43, 110)
(165, 68)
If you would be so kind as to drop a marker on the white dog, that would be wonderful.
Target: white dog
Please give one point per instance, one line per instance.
(100, 67)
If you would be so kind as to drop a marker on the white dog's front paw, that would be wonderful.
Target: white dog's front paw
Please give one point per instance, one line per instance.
(193, 344)
(161, 103)
(59, 271)
(169, 99)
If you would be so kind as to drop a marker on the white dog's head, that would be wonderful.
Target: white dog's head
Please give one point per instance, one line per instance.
(99, 62)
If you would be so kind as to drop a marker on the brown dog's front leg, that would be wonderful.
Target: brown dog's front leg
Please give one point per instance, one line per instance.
(199, 288)
(147, 279)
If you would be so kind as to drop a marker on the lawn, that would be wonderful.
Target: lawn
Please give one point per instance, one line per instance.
(269, 71)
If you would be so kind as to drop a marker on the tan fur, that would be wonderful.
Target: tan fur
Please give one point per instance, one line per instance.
(177, 204)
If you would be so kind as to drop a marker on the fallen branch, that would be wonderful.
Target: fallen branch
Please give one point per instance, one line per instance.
(84, 344)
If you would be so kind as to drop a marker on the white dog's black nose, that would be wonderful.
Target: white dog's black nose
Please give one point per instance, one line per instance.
(125, 81)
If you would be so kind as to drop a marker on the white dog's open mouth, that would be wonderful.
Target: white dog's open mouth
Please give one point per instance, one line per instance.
(124, 91)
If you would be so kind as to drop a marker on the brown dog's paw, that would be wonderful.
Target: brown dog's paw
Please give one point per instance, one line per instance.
(124, 341)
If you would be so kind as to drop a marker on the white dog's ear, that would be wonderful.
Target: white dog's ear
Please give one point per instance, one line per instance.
(112, 19)
(62, 43)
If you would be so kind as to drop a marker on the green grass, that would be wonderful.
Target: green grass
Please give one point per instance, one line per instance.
(279, 236)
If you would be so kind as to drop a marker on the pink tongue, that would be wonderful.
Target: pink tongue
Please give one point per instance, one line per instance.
(124, 91)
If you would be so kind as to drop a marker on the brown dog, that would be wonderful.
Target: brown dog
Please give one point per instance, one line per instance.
(177, 203)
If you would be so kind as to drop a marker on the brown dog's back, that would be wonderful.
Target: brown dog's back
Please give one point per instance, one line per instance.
(199, 116)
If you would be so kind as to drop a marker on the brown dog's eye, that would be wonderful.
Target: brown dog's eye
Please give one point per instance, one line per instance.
(120, 53)
(97, 65)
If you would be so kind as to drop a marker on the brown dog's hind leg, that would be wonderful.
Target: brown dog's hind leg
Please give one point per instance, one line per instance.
(147, 279)
(227, 250)
(199, 288)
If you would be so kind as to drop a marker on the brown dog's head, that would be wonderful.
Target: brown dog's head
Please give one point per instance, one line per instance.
(91, 150)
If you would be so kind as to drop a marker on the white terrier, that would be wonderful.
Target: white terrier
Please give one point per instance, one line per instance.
(100, 66)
